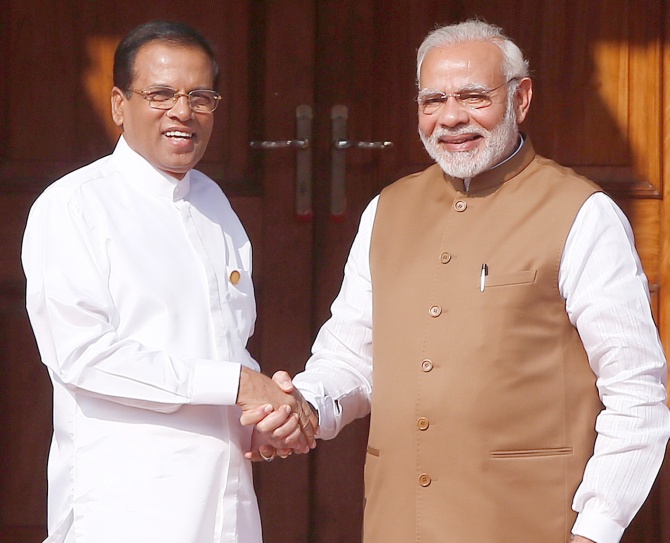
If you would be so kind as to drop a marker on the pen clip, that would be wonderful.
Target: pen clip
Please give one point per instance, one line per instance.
(482, 277)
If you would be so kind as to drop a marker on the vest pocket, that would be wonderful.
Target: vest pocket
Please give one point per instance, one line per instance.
(532, 453)
(373, 451)
(513, 278)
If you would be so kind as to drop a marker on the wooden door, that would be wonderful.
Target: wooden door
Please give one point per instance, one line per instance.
(600, 105)
(55, 76)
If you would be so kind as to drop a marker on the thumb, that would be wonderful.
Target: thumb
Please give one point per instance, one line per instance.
(283, 380)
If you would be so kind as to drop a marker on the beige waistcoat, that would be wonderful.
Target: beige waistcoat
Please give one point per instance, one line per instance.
(484, 404)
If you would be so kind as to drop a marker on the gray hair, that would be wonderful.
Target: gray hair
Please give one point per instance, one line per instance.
(513, 66)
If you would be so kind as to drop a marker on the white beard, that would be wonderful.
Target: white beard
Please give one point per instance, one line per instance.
(467, 164)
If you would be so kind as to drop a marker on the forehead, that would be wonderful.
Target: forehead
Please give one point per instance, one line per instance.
(453, 67)
(166, 62)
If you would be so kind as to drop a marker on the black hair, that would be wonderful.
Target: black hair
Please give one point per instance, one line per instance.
(174, 33)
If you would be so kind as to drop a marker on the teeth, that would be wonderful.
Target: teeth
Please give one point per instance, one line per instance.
(460, 140)
(177, 134)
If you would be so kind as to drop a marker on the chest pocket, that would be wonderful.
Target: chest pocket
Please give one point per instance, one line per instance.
(509, 279)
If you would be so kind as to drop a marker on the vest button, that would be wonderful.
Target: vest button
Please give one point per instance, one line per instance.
(460, 205)
(424, 479)
(422, 423)
(426, 365)
(435, 311)
(445, 257)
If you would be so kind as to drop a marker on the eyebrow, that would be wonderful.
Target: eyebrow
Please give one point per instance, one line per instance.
(476, 87)
(163, 86)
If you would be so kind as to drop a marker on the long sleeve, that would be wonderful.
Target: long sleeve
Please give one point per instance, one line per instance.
(338, 375)
(140, 296)
(607, 300)
(125, 313)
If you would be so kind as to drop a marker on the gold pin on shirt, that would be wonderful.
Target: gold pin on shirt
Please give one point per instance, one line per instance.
(235, 277)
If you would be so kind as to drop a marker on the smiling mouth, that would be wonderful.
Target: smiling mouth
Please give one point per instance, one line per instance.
(455, 140)
(178, 134)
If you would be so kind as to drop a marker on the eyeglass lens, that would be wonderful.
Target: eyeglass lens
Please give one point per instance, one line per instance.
(430, 101)
(166, 98)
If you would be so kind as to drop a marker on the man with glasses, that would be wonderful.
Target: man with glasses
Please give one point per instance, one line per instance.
(140, 295)
(494, 319)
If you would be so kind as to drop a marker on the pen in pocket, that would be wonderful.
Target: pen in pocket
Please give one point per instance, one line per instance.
(482, 277)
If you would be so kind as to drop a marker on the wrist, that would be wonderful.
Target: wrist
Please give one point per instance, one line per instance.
(242, 386)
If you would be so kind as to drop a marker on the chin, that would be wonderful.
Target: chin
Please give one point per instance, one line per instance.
(180, 167)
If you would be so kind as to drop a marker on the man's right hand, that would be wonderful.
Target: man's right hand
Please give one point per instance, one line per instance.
(257, 392)
(308, 417)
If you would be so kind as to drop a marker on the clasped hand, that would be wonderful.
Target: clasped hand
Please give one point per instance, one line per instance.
(283, 420)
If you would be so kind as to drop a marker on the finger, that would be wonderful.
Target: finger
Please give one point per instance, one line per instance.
(294, 439)
(253, 456)
(308, 435)
(307, 423)
(284, 453)
(284, 381)
(274, 420)
(267, 452)
(287, 436)
(263, 453)
(255, 415)
(290, 427)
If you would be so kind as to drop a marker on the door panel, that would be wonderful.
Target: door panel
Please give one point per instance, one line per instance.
(283, 36)
(56, 82)
(599, 93)
(596, 108)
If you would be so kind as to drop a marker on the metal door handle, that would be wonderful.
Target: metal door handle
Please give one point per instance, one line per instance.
(338, 200)
(303, 160)
(299, 144)
(346, 144)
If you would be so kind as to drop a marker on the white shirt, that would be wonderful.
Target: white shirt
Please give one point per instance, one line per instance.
(607, 299)
(140, 296)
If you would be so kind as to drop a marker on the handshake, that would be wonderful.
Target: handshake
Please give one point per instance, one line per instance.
(284, 422)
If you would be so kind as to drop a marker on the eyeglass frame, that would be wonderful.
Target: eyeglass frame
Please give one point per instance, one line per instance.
(485, 93)
(146, 94)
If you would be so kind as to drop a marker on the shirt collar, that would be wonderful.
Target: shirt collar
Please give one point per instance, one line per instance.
(145, 177)
(508, 168)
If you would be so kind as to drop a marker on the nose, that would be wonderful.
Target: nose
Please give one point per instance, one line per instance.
(453, 113)
(181, 109)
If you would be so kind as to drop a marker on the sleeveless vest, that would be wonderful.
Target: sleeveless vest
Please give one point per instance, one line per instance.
(484, 404)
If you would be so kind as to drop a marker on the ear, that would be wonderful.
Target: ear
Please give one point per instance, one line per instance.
(118, 102)
(522, 98)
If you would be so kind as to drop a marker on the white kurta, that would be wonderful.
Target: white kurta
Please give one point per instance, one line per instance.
(140, 296)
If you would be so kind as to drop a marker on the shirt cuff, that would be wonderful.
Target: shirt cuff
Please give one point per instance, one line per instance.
(597, 528)
(327, 408)
(215, 382)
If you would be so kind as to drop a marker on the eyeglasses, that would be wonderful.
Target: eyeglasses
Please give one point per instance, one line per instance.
(431, 101)
(200, 100)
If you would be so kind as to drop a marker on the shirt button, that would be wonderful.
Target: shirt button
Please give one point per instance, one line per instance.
(426, 365)
(424, 479)
(422, 423)
(445, 257)
(235, 277)
(435, 311)
(460, 205)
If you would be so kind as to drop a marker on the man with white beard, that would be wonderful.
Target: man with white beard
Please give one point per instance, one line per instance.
(468, 163)
(518, 376)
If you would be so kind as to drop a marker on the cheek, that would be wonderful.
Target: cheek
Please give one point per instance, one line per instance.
(427, 124)
(490, 119)
(142, 123)
(206, 126)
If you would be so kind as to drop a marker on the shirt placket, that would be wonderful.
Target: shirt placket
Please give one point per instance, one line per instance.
(204, 239)
(208, 243)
